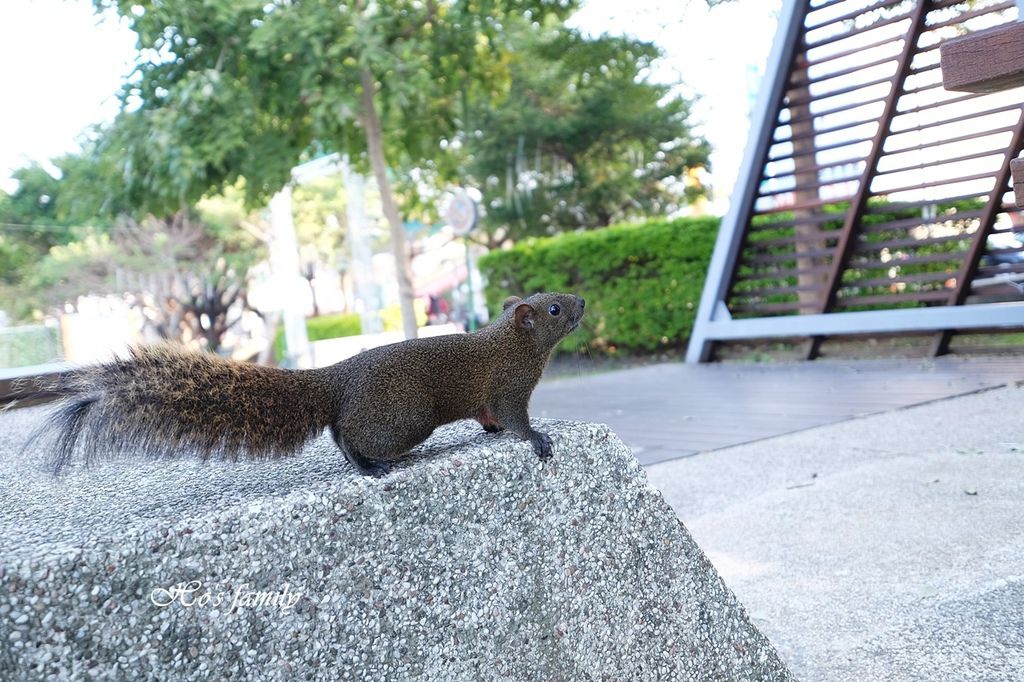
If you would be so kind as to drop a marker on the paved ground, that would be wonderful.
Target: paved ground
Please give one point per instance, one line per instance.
(889, 547)
(673, 410)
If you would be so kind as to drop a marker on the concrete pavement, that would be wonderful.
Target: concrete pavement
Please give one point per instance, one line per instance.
(889, 547)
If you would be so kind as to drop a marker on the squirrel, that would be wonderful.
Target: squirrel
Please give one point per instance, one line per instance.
(378, 404)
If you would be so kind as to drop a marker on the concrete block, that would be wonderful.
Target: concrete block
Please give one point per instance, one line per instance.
(475, 562)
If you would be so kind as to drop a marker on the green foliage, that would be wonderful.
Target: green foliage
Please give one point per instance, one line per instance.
(30, 216)
(323, 327)
(78, 267)
(225, 89)
(28, 345)
(642, 282)
(582, 139)
(313, 205)
(31, 223)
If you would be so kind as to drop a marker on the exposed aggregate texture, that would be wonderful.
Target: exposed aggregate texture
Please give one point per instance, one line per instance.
(475, 562)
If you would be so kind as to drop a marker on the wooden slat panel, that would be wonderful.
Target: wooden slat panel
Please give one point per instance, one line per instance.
(835, 110)
(29, 390)
(929, 259)
(988, 151)
(1004, 252)
(934, 183)
(816, 168)
(973, 115)
(856, 31)
(992, 271)
(820, 172)
(795, 101)
(950, 140)
(909, 243)
(789, 222)
(969, 266)
(973, 14)
(821, 148)
(900, 206)
(770, 307)
(832, 56)
(827, 129)
(816, 235)
(796, 207)
(922, 278)
(859, 203)
(773, 291)
(879, 4)
(823, 5)
(918, 221)
(761, 259)
(805, 185)
(888, 299)
(803, 82)
(777, 274)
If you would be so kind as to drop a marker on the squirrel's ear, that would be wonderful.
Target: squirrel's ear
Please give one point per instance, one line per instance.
(511, 300)
(525, 315)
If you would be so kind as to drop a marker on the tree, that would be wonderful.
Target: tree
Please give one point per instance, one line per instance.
(582, 139)
(244, 88)
(78, 235)
(31, 221)
(186, 275)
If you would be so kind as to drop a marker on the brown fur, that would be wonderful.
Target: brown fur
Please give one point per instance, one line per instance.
(379, 404)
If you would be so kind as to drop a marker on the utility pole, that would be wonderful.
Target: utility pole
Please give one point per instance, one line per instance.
(366, 294)
(284, 261)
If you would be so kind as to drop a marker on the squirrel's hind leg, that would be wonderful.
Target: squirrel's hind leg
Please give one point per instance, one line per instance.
(364, 465)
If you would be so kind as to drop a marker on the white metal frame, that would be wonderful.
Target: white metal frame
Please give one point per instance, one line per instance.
(727, 245)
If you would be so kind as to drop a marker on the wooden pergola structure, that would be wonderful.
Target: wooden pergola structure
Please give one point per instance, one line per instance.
(874, 199)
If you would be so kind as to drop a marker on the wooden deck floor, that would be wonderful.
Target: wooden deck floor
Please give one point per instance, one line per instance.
(675, 410)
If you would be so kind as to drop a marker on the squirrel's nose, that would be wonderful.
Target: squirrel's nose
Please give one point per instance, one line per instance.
(583, 302)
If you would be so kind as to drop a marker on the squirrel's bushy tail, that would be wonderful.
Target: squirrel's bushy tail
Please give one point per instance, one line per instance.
(164, 401)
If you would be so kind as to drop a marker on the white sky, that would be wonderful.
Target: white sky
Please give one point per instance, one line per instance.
(60, 69)
(61, 66)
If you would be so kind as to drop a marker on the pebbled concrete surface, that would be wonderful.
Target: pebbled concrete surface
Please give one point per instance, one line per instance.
(475, 563)
(884, 548)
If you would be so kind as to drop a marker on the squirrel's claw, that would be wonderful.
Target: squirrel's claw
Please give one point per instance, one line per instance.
(542, 446)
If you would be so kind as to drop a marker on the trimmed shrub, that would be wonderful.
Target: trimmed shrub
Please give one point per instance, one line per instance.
(29, 345)
(642, 282)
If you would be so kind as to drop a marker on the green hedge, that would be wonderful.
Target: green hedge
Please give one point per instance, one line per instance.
(28, 345)
(642, 282)
(323, 327)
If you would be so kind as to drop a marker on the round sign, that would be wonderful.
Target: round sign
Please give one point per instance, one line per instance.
(461, 212)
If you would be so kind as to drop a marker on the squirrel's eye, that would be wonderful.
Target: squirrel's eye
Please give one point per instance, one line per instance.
(554, 310)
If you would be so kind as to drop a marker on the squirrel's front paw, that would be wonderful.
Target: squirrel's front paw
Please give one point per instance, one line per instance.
(542, 446)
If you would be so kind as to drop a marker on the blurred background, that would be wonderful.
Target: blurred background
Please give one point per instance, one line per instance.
(294, 182)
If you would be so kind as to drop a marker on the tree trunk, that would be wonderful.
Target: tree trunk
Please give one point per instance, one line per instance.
(399, 246)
